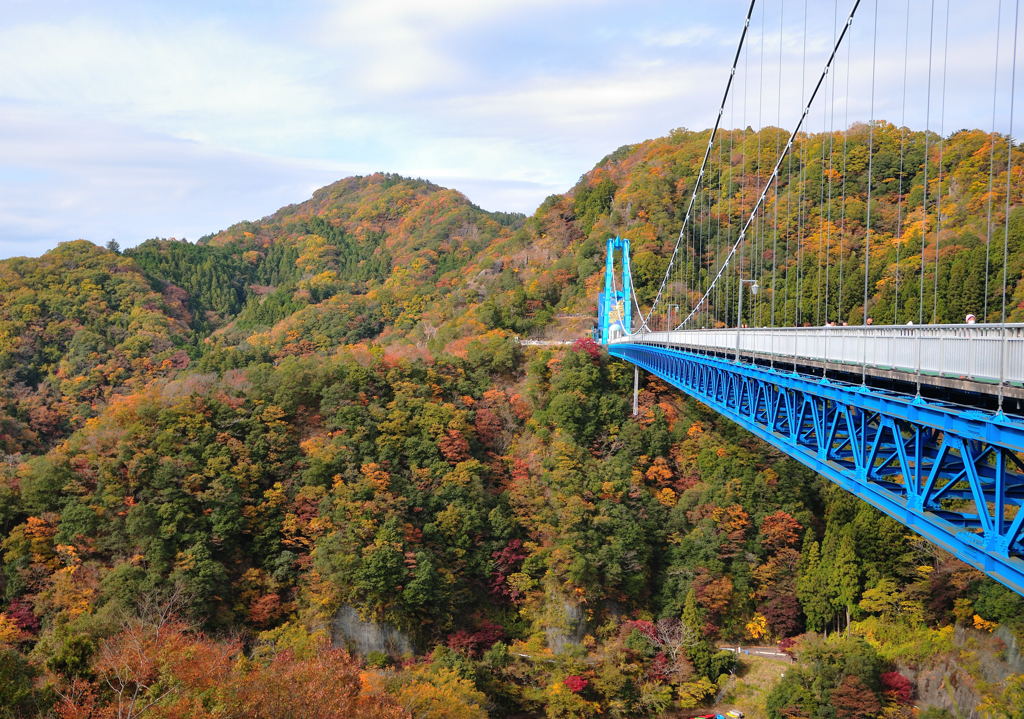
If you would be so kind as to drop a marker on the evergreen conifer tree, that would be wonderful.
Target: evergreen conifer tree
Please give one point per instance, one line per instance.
(845, 576)
(692, 615)
(811, 588)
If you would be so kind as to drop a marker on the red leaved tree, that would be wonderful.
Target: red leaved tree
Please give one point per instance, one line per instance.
(779, 530)
(575, 683)
(150, 663)
(853, 699)
(586, 344)
(897, 687)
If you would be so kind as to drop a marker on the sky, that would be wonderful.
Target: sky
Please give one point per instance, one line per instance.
(131, 119)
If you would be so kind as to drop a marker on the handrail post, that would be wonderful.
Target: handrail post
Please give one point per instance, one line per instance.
(970, 355)
(739, 321)
(942, 358)
(917, 377)
(865, 337)
(824, 351)
(1002, 369)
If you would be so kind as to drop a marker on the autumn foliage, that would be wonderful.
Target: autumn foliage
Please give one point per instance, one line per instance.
(331, 411)
(160, 667)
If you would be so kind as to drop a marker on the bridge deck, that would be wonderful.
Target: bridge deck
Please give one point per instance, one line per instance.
(970, 358)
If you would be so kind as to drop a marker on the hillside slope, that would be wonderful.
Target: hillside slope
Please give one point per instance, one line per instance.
(384, 248)
(324, 419)
(411, 262)
(77, 326)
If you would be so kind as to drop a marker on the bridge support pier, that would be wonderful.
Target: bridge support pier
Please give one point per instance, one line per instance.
(636, 390)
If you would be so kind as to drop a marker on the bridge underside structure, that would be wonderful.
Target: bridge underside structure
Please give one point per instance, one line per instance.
(953, 474)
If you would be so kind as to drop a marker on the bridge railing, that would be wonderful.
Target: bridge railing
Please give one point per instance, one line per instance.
(982, 353)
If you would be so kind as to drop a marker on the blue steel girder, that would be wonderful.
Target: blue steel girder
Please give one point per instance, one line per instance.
(952, 475)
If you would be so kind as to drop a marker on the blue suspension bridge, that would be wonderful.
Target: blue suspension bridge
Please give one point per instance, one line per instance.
(924, 419)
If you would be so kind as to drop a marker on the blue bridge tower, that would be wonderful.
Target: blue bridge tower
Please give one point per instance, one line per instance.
(614, 308)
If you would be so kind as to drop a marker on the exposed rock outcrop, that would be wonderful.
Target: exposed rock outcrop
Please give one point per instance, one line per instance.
(358, 635)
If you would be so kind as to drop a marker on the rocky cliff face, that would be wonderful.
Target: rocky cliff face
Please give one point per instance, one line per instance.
(567, 624)
(363, 637)
(953, 684)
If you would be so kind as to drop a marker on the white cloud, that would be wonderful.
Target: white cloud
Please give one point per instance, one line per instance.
(500, 195)
(198, 81)
(581, 102)
(408, 45)
(65, 178)
(114, 125)
(693, 35)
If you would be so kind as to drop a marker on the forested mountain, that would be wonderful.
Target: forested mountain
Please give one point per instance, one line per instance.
(317, 427)
(78, 325)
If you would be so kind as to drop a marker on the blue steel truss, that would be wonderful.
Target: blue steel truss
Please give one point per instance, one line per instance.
(951, 474)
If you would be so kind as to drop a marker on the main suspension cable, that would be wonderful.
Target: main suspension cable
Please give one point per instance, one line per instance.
(700, 175)
(775, 171)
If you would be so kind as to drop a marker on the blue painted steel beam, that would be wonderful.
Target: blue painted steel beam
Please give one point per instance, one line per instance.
(952, 475)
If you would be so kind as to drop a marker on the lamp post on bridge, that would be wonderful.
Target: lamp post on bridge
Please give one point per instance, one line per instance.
(739, 310)
(668, 319)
